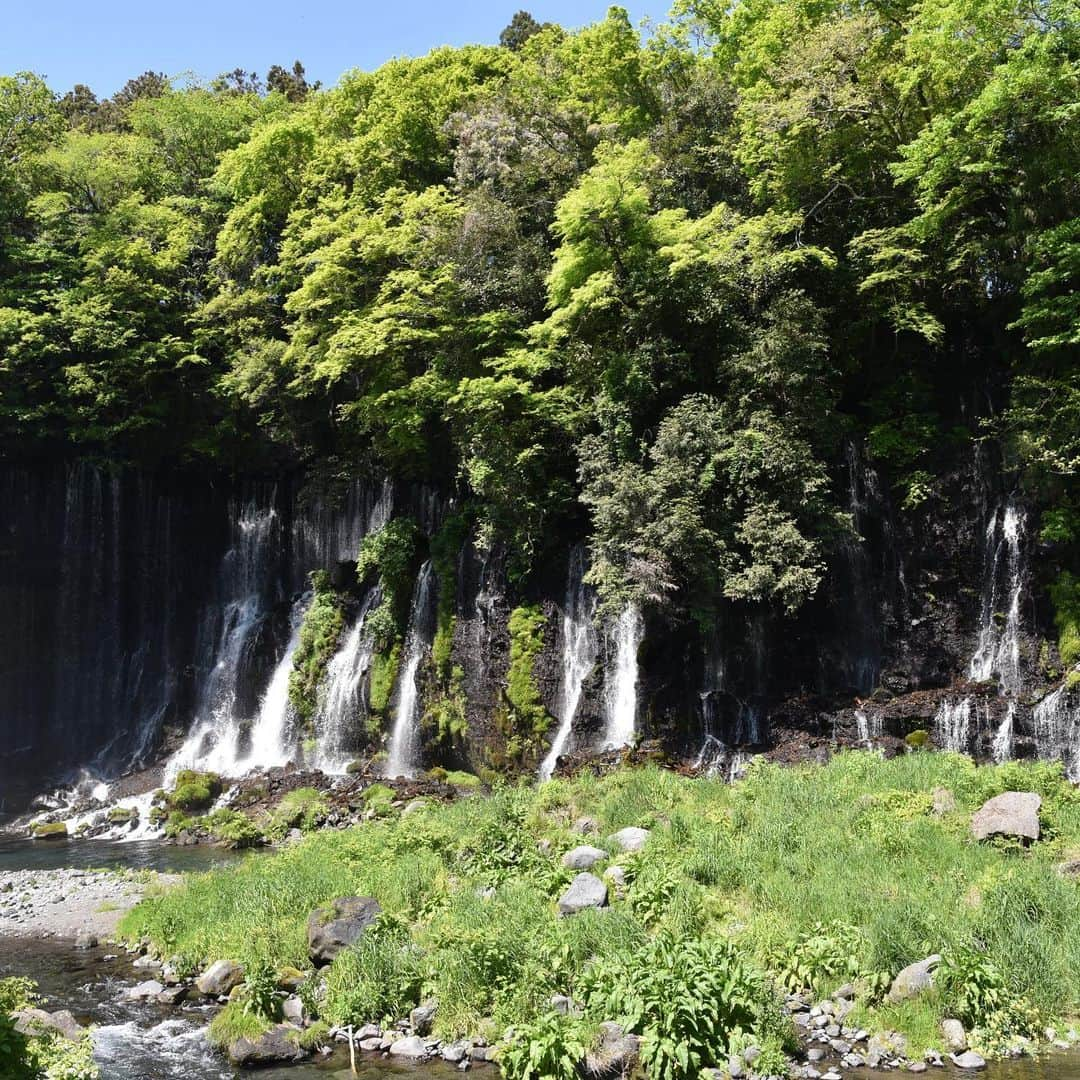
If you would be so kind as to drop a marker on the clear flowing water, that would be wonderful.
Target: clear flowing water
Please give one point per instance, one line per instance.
(404, 751)
(1057, 729)
(620, 692)
(19, 854)
(578, 652)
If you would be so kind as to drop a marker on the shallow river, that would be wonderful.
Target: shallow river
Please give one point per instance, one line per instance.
(139, 1041)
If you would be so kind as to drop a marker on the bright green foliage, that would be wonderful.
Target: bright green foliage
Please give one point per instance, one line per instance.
(234, 1022)
(388, 557)
(260, 994)
(527, 719)
(43, 1054)
(231, 827)
(302, 808)
(194, 791)
(384, 669)
(445, 714)
(1065, 595)
(551, 1046)
(319, 634)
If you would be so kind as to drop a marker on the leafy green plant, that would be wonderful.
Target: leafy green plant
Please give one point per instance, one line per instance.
(260, 996)
(302, 808)
(319, 635)
(549, 1047)
(193, 791)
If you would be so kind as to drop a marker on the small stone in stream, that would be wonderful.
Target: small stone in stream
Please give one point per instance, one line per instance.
(630, 839)
(815, 1055)
(173, 995)
(584, 857)
(953, 1035)
(586, 891)
(968, 1060)
(273, 1047)
(149, 989)
(840, 1046)
(371, 1044)
(916, 1066)
(221, 977)
(369, 1031)
(914, 979)
(464, 1066)
(832, 1074)
(833, 1031)
(338, 925)
(455, 1052)
(1012, 813)
(412, 1046)
(146, 962)
(86, 941)
(423, 1016)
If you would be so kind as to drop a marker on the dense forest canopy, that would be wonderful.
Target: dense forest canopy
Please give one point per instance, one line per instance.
(639, 289)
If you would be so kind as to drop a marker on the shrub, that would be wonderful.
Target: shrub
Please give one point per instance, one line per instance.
(378, 798)
(384, 669)
(550, 1047)
(304, 809)
(233, 828)
(194, 791)
(234, 1022)
(319, 635)
(48, 830)
(260, 997)
(917, 740)
(389, 554)
(687, 999)
(1065, 596)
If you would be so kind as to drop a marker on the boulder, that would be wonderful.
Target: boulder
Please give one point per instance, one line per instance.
(630, 839)
(967, 1060)
(618, 1053)
(86, 941)
(411, 1047)
(338, 925)
(455, 1052)
(36, 1021)
(273, 1047)
(953, 1036)
(583, 858)
(173, 995)
(1012, 813)
(586, 891)
(914, 979)
(422, 1017)
(145, 990)
(292, 1010)
(220, 978)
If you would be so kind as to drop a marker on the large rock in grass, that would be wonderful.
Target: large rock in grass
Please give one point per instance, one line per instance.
(38, 1021)
(953, 1036)
(220, 978)
(583, 858)
(631, 838)
(586, 891)
(914, 979)
(338, 925)
(1012, 813)
(274, 1047)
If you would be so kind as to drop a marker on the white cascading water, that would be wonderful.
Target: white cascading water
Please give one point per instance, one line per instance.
(869, 726)
(341, 698)
(214, 740)
(620, 692)
(271, 744)
(579, 652)
(1057, 730)
(1001, 748)
(998, 649)
(404, 751)
(952, 725)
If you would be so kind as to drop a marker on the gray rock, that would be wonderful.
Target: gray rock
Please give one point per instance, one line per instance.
(149, 989)
(455, 1052)
(338, 925)
(736, 1067)
(916, 1066)
(586, 825)
(274, 1047)
(371, 1045)
(86, 941)
(564, 1005)
(1012, 813)
(617, 1055)
(616, 875)
(370, 1031)
(630, 839)
(944, 801)
(292, 1009)
(954, 1036)
(914, 979)
(173, 995)
(423, 1016)
(36, 1021)
(583, 858)
(586, 891)
(845, 992)
(412, 1046)
(967, 1060)
(220, 978)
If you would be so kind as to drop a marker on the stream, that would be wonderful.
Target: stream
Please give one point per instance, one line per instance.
(146, 1041)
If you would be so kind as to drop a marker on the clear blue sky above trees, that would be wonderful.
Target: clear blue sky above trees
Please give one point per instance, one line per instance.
(105, 44)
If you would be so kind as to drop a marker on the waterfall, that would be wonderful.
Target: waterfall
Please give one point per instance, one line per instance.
(270, 742)
(952, 725)
(341, 699)
(1001, 748)
(869, 727)
(998, 649)
(404, 753)
(1057, 730)
(620, 692)
(863, 630)
(579, 650)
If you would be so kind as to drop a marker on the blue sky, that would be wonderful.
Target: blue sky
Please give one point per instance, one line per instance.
(105, 43)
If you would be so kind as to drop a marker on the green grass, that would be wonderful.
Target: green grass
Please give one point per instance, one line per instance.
(235, 1022)
(816, 875)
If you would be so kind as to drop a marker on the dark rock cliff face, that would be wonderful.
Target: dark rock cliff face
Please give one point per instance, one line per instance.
(126, 600)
